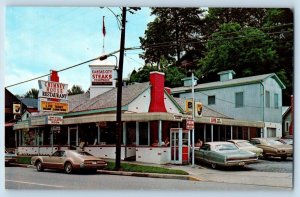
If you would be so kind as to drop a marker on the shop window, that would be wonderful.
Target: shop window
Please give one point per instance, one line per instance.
(239, 99)
(267, 99)
(211, 100)
(143, 135)
(276, 101)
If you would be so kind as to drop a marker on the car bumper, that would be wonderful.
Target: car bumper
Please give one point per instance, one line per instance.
(240, 162)
(10, 160)
(90, 166)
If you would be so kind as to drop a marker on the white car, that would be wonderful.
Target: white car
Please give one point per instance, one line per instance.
(246, 145)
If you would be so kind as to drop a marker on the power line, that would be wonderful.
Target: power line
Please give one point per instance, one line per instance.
(62, 69)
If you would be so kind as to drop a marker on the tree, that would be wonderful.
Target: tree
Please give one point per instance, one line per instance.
(173, 32)
(75, 90)
(276, 23)
(248, 51)
(32, 93)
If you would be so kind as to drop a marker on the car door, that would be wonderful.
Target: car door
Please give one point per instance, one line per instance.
(202, 153)
(55, 160)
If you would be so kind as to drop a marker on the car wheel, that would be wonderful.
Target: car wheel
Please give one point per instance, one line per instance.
(213, 165)
(68, 168)
(39, 166)
(283, 158)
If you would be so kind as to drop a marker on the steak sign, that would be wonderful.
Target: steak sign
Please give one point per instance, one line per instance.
(103, 76)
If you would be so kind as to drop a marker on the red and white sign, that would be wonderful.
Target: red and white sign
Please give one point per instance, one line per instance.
(50, 89)
(188, 124)
(102, 76)
(216, 120)
(56, 120)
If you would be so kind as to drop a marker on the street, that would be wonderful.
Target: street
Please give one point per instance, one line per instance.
(29, 178)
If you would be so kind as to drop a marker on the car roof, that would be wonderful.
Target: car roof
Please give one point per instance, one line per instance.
(217, 143)
(236, 141)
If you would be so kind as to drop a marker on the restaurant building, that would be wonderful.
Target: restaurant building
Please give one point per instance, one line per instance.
(150, 114)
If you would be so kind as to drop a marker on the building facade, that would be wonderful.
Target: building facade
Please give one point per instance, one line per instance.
(257, 98)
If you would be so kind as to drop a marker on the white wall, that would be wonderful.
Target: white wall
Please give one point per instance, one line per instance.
(170, 106)
(141, 103)
(157, 155)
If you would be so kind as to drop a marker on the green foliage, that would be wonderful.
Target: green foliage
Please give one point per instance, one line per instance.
(172, 32)
(250, 41)
(146, 169)
(248, 51)
(24, 159)
(32, 93)
(75, 90)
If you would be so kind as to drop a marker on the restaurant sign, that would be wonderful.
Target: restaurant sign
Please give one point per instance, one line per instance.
(53, 90)
(54, 106)
(55, 120)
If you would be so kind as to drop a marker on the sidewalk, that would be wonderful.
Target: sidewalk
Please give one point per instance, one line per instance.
(272, 179)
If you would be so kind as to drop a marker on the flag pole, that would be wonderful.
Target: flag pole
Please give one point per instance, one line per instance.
(104, 32)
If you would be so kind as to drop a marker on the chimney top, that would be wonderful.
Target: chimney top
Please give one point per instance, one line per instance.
(226, 75)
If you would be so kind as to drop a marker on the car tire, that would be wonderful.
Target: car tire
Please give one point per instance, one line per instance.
(265, 156)
(283, 158)
(39, 166)
(68, 168)
(213, 165)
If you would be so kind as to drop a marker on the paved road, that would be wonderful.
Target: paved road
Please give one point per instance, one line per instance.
(29, 178)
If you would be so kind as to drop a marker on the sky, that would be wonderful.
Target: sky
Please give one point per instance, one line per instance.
(40, 39)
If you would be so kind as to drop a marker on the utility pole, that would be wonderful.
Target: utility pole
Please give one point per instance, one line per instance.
(119, 125)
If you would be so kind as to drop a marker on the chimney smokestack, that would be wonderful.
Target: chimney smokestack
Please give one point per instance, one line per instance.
(157, 81)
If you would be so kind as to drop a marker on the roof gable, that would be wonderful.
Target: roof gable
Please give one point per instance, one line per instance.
(109, 99)
(232, 82)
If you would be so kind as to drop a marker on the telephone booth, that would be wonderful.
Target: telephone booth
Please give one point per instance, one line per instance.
(180, 143)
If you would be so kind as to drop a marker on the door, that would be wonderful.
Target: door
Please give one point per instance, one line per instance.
(73, 136)
(180, 146)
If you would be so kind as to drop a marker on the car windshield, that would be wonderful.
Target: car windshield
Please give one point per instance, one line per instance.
(224, 147)
(273, 142)
(83, 153)
(243, 144)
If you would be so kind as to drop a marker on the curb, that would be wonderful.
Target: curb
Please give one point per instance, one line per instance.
(137, 174)
(150, 175)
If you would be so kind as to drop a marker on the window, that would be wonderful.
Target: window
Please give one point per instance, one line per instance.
(211, 100)
(267, 99)
(276, 101)
(239, 99)
(287, 126)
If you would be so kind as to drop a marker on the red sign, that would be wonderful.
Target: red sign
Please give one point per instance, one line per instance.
(188, 124)
(216, 120)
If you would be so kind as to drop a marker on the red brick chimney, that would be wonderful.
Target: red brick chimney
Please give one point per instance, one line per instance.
(55, 78)
(157, 81)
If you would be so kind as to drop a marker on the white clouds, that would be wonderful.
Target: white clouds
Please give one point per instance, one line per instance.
(42, 38)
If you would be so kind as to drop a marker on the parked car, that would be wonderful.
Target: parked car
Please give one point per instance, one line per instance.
(10, 157)
(246, 145)
(68, 160)
(224, 154)
(274, 148)
(286, 141)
